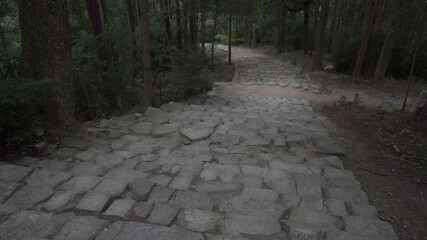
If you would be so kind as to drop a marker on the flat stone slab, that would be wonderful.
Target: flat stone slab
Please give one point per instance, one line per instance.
(329, 146)
(160, 195)
(88, 169)
(317, 219)
(83, 228)
(125, 175)
(73, 142)
(140, 189)
(198, 220)
(189, 199)
(81, 183)
(6, 189)
(93, 201)
(120, 208)
(112, 187)
(164, 129)
(218, 187)
(163, 214)
(196, 133)
(28, 196)
(237, 224)
(13, 173)
(369, 227)
(63, 153)
(47, 178)
(142, 128)
(61, 201)
(141, 210)
(31, 225)
(133, 230)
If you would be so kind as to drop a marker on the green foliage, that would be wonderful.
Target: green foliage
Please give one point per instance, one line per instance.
(105, 85)
(345, 55)
(222, 38)
(21, 109)
(188, 77)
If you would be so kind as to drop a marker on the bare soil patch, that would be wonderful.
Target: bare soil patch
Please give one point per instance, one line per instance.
(388, 153)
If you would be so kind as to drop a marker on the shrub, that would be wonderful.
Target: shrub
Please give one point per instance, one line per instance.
(189, 76)
(21, 108)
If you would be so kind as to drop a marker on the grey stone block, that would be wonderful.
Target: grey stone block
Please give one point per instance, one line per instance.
(218, 187)
(198, 220)
(141, 188)
(133, 230)
(120, 208)
(88, 169)
(28, 196)
(81, 228)
(163, 214)
(13, 173)
(112, 187)
(61, 201)
(93, 202)
(188, 199)
(236, 225)
(30, 225)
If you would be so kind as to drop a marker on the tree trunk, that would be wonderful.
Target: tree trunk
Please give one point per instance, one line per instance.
(94, 13)
(165, 12)
(46, 53)
(333, 24)
(305, 41)
(414, 58)
(178, 24)
(385, 56)
(369, 22)
(315, 24)
(282, 28)
(421, 114)
(131, 22)
(193, 39)
(146, 54)
(214, 35)
(230, 20)
(320, 37)
(203, 29)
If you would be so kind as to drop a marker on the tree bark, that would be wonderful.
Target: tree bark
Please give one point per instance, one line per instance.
(282, 28)
(203, 28)
(230, 20)
(315, 24)
(305, 41)
(166, 19)
(192, 22)
(178, 24)
(94, 13)
(332, 29)
(214, 35)
(369, 22)
(148, 75)
(46, 53)
(320, 38)
(420, 115)
(384, 56)
(131, 23)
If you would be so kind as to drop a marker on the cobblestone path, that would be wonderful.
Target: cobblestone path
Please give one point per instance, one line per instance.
(225, 168)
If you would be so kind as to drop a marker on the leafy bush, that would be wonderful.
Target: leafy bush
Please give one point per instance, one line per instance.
(345, 55)
(21, 108)
(222, 38)
(189, 76)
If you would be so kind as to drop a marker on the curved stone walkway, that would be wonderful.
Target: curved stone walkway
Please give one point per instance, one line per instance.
(226, 168)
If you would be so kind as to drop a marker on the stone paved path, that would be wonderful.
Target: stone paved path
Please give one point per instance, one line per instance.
(227, 168)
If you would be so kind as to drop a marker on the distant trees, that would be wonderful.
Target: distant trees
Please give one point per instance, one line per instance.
(46, 54)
